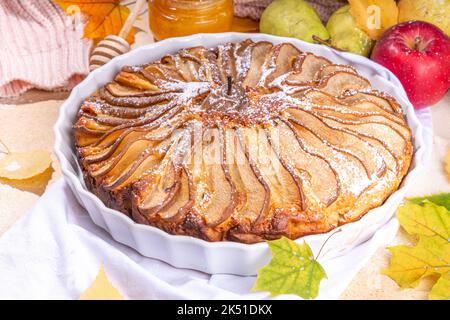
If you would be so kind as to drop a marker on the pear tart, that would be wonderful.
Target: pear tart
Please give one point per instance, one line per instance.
(243, 142)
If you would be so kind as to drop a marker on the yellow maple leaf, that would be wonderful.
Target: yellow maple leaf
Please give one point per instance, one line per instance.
(104, 17)
(441, 290)
(410, 264)
(428, 220)
(374, 16)
(24, 165)
(101, 289)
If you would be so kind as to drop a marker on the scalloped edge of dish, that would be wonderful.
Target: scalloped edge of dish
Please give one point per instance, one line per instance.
(224, 257)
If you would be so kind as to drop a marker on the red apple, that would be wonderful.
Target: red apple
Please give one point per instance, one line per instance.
(418, 53)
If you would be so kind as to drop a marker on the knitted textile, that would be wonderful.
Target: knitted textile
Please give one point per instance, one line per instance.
(40, 48)
(254, 8)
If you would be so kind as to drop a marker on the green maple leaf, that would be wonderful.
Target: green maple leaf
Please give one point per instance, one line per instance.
(428, 220)
(292, 270)
(441, 290)
(441, 199)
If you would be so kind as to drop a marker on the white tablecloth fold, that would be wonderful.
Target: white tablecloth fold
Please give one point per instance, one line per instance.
(55, 252)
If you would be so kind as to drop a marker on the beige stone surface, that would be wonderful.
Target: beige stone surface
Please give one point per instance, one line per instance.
(27, 124)
(26, 127)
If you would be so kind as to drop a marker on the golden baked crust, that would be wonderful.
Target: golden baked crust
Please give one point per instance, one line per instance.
(243, 142)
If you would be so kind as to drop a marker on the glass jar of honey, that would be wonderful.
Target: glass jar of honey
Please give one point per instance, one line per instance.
(173, 18)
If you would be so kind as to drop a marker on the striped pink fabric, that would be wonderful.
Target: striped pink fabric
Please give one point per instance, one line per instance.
(39, 48)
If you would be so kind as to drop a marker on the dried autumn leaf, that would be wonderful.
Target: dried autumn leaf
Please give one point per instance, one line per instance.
(36, 184)
(374, 16)
(101, 289)
(104, 17)
(441, 290)
(410, 264)
(24, 165)
(292, 270)
(431, 255)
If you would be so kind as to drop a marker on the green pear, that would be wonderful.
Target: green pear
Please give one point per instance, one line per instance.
(345, 34)
(292, 18)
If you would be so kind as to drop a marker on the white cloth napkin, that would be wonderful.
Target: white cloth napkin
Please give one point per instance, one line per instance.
(55, 252)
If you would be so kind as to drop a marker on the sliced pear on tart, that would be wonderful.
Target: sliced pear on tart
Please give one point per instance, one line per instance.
(293, 145)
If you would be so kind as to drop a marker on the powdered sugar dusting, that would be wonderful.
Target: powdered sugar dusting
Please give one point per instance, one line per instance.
(330, 157)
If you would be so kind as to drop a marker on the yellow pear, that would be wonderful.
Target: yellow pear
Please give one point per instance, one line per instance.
(436, 12)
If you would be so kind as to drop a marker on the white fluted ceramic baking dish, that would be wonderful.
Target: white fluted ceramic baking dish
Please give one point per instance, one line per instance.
(223, 257)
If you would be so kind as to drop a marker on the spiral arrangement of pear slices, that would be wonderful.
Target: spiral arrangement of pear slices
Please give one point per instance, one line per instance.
(243, 142)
